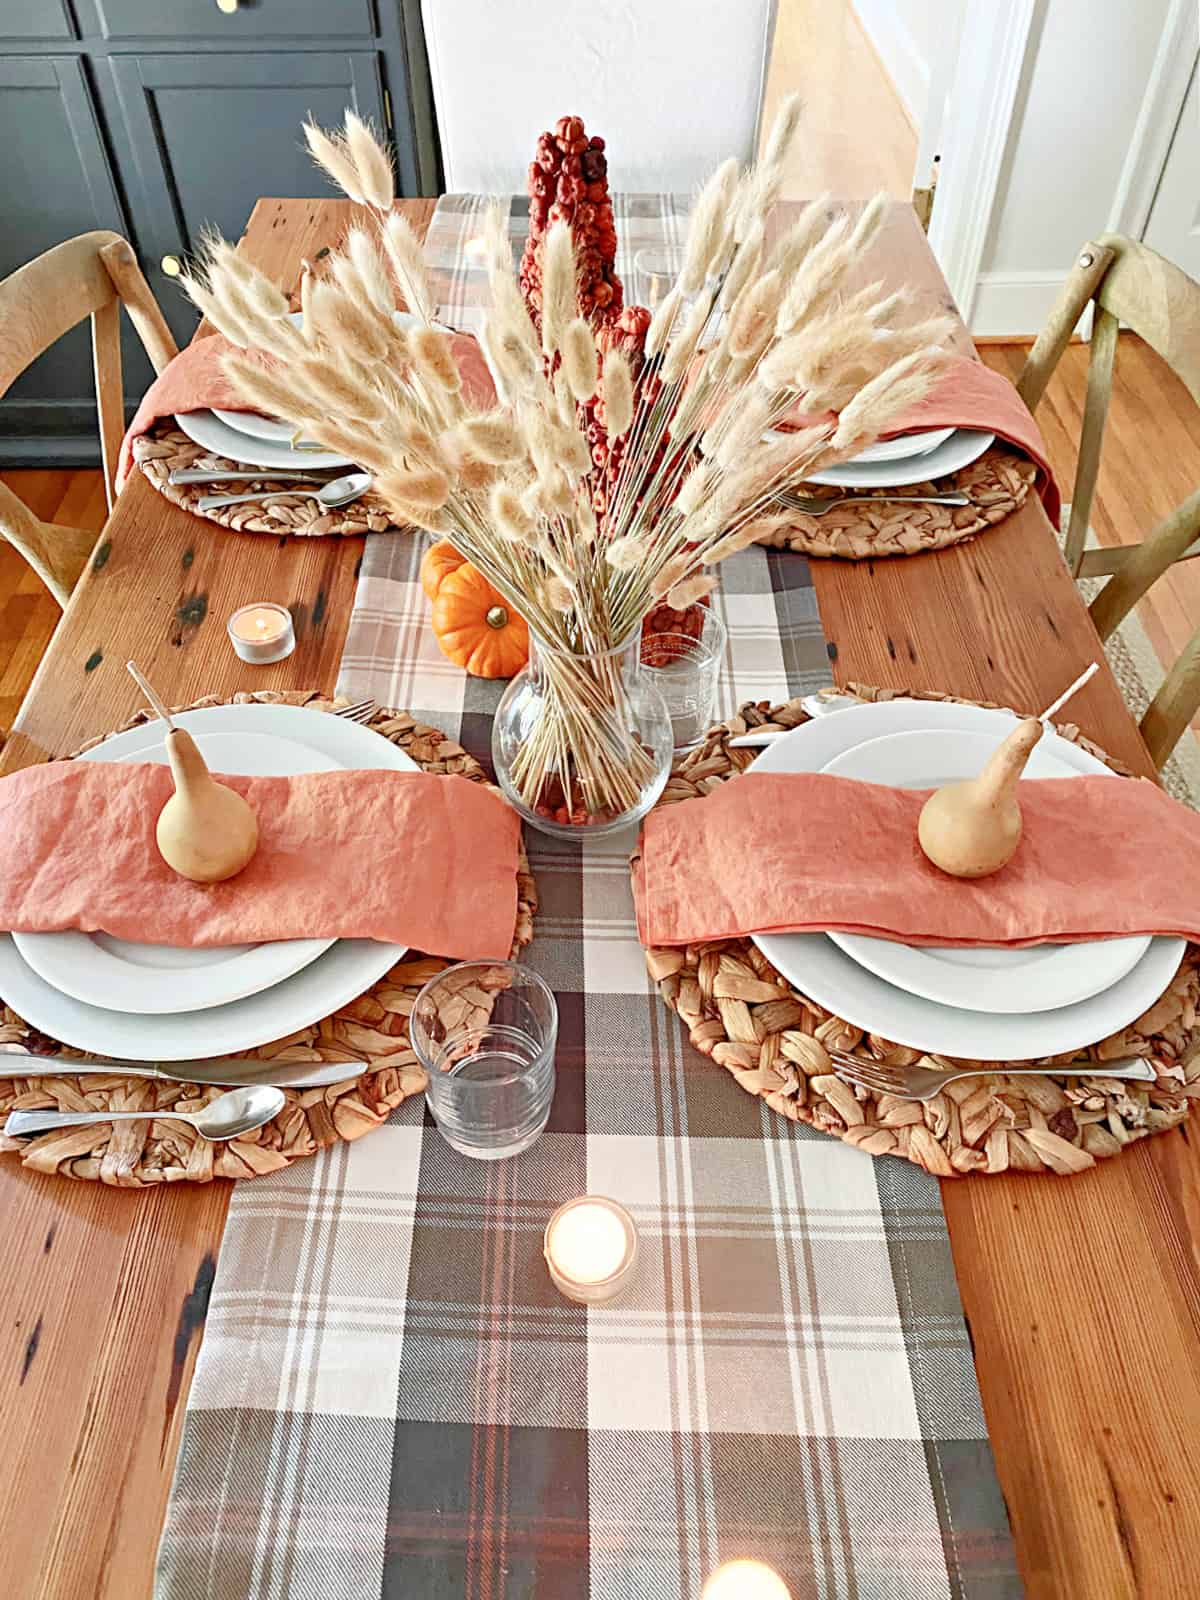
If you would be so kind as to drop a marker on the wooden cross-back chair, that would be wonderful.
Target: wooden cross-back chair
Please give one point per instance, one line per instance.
(92, 275)
(1128, 283)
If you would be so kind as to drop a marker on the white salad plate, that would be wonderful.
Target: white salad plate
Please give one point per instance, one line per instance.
(959, 450)
(819, 969)
(344, 971)
(120, 975)
(206, 429)
(904, 446)
(255, 426)
(986, 978)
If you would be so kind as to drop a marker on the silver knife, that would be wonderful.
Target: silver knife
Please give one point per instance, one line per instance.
(18, 1063)
(216, 475)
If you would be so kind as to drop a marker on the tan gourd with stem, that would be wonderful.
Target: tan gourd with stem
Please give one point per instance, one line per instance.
(973, 828)
(206, 831)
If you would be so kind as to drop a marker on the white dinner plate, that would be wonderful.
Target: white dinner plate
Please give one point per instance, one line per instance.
(984, 978)
(206, 429)
(964, 446)
(121, 975)
(829, 976)
(346, 970)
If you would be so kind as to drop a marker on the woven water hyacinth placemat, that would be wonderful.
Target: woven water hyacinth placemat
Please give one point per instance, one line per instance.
(772, 1039)
(162, 450)
(370, 1032)
(871, 526)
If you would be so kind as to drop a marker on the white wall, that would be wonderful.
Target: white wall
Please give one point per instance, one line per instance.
(1075, 130)
(907, 35)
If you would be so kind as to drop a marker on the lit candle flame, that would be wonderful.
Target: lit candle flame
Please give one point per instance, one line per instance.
(745, 1580)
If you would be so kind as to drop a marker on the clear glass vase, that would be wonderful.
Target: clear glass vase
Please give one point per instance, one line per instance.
(582, 744)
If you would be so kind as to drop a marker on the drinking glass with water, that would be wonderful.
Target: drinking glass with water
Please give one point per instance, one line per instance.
(485, 1032)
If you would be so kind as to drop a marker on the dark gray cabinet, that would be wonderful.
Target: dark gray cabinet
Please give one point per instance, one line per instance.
(159, 118)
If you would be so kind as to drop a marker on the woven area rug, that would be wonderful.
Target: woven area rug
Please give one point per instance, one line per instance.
(391, 1399)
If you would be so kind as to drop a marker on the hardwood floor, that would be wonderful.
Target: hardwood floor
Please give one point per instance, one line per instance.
(855, 137)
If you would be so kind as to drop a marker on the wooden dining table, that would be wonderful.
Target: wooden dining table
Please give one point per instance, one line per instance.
(1082, 1295)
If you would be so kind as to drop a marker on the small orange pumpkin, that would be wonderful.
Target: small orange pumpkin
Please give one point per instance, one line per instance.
(477, 628)
(438, 562)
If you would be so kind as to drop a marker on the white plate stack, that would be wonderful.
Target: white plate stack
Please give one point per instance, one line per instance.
(146, 1002)
(907, 459)
(978, 1003)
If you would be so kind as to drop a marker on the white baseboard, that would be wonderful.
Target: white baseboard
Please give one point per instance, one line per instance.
(1016, 303)
(898, 51)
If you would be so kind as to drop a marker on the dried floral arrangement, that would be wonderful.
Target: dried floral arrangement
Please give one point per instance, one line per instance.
(751, 327)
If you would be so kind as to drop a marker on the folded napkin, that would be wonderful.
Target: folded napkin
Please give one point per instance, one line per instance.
(969, 395)
(403, 857)
(194, 381)
(799, 853)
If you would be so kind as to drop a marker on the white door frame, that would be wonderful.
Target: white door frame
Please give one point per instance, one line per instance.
(1157, 120)
(992, 50)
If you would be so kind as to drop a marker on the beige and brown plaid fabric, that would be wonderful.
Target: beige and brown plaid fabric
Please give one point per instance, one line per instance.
(393, 1403)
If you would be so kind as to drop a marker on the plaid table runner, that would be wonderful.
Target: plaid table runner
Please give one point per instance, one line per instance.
(392, 1401)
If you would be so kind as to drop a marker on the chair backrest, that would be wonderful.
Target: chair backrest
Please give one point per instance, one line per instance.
(1129, 285)
(674, 88)
(91, 275)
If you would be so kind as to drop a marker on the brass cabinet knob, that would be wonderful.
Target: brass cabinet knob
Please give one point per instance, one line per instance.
(172, 266)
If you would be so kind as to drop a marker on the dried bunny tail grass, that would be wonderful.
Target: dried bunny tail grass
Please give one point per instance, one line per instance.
(790, 249)
(343, 325)
(708, 227)
(408, 265)
(626, 554)
(338, 386)
(476, 475)
(510, 515)
(618, 394)
(686, 337)
(434, 357)
(330, 153)
(672, 572)
(816, 275)
(738, 428)
(663, 320)
(871, 220)
(363, 251)
(493, 436)
(212, 307)
(371, 162)
(804, 360)
(564, 400)
(887, 395)
(426, 488)
(743, 537)
(693, 489)
(360, 444)
(434, 520)
(263, 386)
(691, 590)
(765, 181)
(540, 434)
(745, 265)
(574, 453)
(558, 593)
(783, 131)
(579, 359)
(559, 302)
(752, 323)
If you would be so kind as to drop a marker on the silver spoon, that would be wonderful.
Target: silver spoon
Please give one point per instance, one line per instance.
(337, 492)
(231, 1114)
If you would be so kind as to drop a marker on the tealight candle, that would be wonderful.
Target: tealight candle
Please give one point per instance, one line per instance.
(262, 632)
(590, 1247)
(745, 1580)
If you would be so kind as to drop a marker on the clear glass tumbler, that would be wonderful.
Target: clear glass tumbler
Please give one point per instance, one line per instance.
(485, 1032)
(684, 668)
(655, 269)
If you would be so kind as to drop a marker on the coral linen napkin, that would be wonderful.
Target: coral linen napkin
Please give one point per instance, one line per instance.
(969, 395)
(797, 853)
(194, 381)
(403, 857)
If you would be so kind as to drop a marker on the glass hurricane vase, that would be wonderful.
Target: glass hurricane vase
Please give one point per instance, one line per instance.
(582, 743)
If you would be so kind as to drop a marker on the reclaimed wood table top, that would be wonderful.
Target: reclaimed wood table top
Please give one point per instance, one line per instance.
(1082, 1294)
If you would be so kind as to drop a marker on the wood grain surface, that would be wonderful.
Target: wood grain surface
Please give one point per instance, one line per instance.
(1083, 1295)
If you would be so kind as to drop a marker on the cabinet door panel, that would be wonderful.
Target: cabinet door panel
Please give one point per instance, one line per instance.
(34, 19)
(252, 19)
(57, 183)
(206, 136)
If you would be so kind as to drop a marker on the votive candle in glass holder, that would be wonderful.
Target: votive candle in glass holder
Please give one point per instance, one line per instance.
(745, 1579)
(262, 632)
(591, 1247)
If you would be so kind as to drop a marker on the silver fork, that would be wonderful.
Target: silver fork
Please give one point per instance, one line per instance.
(361, 711)
(922, 1083)
(816, 505)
